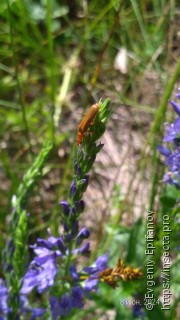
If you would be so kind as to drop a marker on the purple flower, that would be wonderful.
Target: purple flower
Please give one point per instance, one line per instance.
(45, 256)
(64, 305)
(77, 297)
(84, 183)
(101, 262)
(74, 273)
(51, 243)
(4, 295)
(40, 277)
(26, 309)
(172, 131)
(177, 95)
(24, 305)
(83, 234)
(65, 226)
(56, 244)
(37, 313)
(55, 307)
(173, 161)
(72, 234)
(42, 270)
(84, 249)
(138, 312)
(66, 207)
(91, 283)
(79, 206)
(170, 179)
(99, 265)
(172, 156)
(176, 106)
(61, 245)
(61, 307)
(77, 169)
(164, 151)
(73, 189)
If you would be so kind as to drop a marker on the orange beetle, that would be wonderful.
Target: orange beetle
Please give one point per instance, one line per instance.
(86, 121)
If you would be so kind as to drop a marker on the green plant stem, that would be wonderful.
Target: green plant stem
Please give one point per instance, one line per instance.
(16, 247)
(52, 67)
